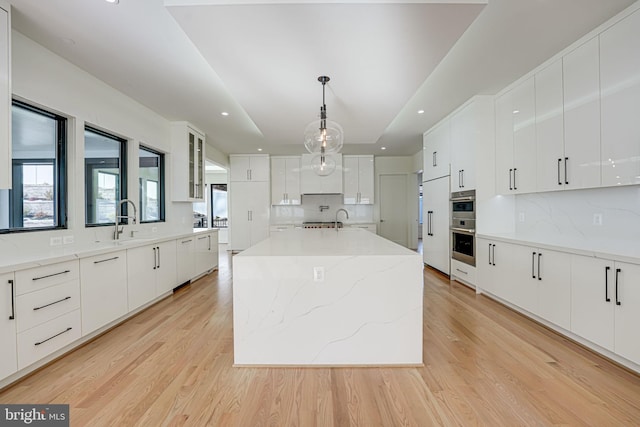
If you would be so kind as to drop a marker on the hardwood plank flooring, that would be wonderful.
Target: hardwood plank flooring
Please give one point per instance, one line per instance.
(483, 365)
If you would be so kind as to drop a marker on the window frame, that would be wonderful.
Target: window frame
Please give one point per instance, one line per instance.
(60, 186)
(90, 164)
(161, 199)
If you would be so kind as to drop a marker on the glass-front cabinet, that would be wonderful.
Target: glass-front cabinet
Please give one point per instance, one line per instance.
(188, 162)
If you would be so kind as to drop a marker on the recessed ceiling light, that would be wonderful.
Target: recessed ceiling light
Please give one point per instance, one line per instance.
(224, 113)
(420, 111)
(383, 148)
(259, 149)
(516, 111)
(113, 1)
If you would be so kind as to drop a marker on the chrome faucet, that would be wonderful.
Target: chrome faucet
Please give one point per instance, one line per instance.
(337, 212)
(117, 232)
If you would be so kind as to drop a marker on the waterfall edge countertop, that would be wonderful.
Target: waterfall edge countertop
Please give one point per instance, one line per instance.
(326, 242)
(15, 257)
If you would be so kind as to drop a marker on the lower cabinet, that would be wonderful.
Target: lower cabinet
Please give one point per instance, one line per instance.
(151, 271)
(8, 355)
(605, 304)
(186, 262)
(103, 289)
(371, 227)
(206, 247)
(436, 236)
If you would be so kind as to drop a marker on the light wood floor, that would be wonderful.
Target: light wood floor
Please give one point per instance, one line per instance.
(484, 365)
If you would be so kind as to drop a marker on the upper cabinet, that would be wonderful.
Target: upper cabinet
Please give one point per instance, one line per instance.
(188, 154)
(515, 140)
(285, 180)
(312, 183)
(620, 103)
(580, 164)
(5, 96)
(358, 180)
(245, 168)
(436, 149)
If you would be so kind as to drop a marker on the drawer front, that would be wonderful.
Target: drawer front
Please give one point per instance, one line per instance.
(38, 307)
(465, 272)
(37, 278)
(39, 342)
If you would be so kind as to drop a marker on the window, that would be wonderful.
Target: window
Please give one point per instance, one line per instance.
(105, 177)
(219, 212)
(151, 165)
(200, 212)
(37, 200)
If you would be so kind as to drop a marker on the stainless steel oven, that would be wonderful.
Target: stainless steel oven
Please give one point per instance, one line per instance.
(463, 226)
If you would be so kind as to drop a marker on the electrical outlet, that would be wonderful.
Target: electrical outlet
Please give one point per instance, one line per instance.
(597, 219)
(67, 240)
(521, 217)
(55, 241)
(318, 274)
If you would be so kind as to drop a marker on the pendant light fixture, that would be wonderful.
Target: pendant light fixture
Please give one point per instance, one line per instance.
(323, 137)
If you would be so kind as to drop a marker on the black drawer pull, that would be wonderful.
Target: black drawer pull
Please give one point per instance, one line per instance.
(606, 284)
(105, 260)
(56, 335)
(203, 237)
(47, 305)
(617, 273)
(187, 241)
(13, 304)
(51, 275)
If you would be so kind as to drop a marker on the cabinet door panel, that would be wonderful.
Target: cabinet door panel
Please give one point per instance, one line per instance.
(258, 194)
(167, 267)
(8, 355)
(592, 315)
(524, 137)
(581, 71)
(523, 286)
(463, 148)
(437, 151)
(240, 207)
(627, 317)
(549, 128)
(504, 143)
(292, 181)
(185, 256)
(350, 172)
(278, 181)
(620, 71)
(259, 166)
(554, 288)
(141, 275)
(436, 239)
(366, 179)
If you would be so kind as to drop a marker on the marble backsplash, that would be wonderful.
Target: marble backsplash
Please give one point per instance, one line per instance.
(309, 210)
(580, 215)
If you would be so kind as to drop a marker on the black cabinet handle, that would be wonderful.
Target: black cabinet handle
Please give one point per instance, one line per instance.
(435, 159)
(566, 160)
(533, 261)
(51, 303)
(617, 274)
(539, 275)
(494, 255)
(489, 253)
(462, 178)
(187, 241)
(105, 260)
(13, 304)
(158, 255)
(155, 257)
(515, 187)
(51, 275)
(510, 184)
(606, 284)
(559, 180)
(56, 335)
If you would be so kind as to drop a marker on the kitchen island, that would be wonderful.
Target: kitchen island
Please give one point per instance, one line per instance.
(320, 297)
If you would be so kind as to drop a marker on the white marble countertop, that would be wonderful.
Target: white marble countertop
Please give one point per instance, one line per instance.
(20, 260)
(326, 242)
(619, 250)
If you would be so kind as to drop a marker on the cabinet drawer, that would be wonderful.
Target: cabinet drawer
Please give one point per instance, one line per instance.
(37, 343)
(37, 278)
(35, 308)
(464, 272)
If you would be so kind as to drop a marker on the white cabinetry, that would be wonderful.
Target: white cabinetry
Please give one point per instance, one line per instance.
(8, 352)
(436, 234)
(188, 154)
(151, 271)
(371, 227)
(249, 167)
(285, 180)
(5, 97)
(206, 247)
(103, 288)
(358, 180)
(515, 140)
(605, 304)
(581, 93)
(312, 183)
(436, 150)
(620, 91)
(185, 259)
(249, 213)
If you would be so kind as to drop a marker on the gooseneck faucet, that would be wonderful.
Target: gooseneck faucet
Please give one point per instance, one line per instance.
(117, 232)
(337, 212)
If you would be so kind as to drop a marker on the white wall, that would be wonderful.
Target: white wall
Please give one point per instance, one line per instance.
(44, 79)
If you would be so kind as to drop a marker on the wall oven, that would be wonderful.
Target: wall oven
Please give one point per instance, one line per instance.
(463, 226)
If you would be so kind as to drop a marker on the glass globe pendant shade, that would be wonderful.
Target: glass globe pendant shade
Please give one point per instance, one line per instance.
(331, 137)
(323, 164)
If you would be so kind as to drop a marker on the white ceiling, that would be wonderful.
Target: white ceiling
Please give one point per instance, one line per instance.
(259, 60)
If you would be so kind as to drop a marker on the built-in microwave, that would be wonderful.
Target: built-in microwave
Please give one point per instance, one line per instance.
(463, 226)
